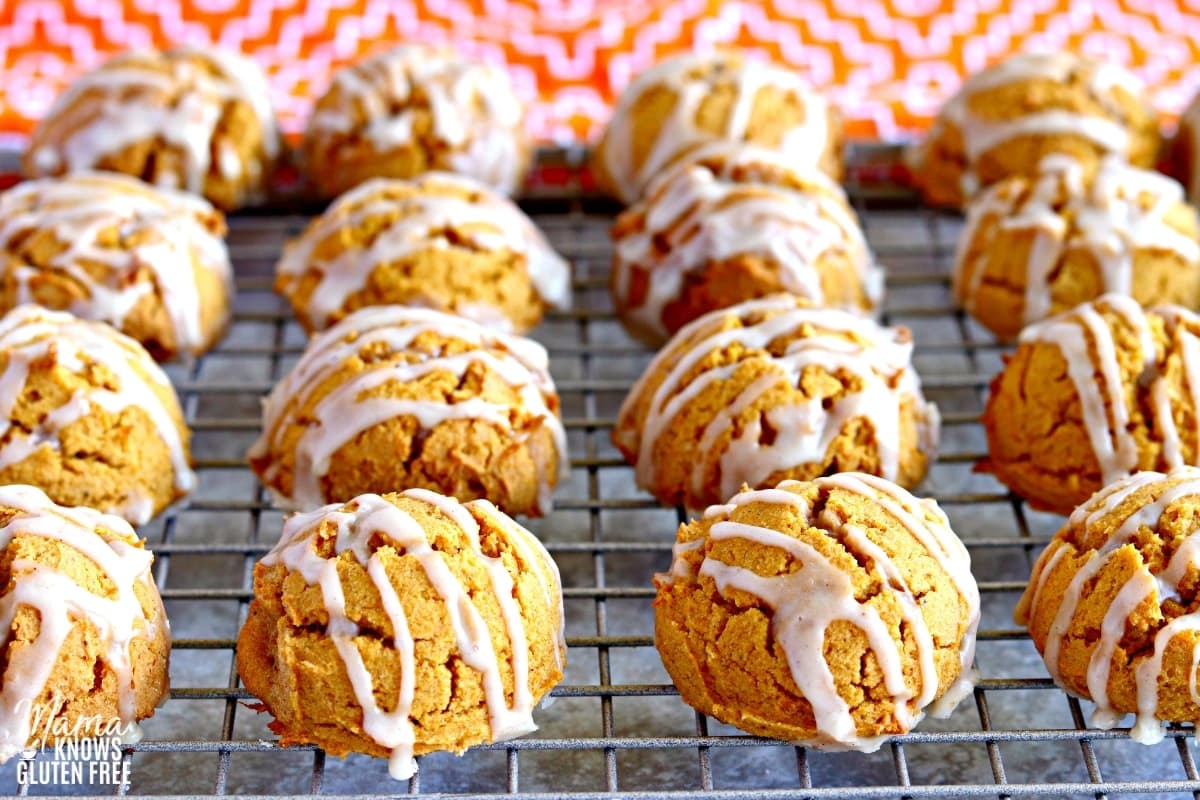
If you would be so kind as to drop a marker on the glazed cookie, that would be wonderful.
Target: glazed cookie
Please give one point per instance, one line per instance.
(1007, 118)
(1113, 607)
(441, 241)
(401, 625)
(773, 389)
(1036, 247)
(416, 109)
(88, 417)
(1092, 395)
(86, 639)
(197, 120)
(732, 222)
(150, 262)
(395, 396)
(693, 99)
(833, 613)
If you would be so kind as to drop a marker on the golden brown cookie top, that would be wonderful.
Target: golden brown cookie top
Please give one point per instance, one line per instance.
(390, 361)
(779, 337)
(799, 549)
(120, 239)
(691, 99)
(1138, 534)
(107, 369)
(1118, 356)
(1040, 94)
(451, 541)
(72, 566)
(435, 98)
(386, 219)
(1119, 210)
(726, 200)
(179, 96)
(1113, 215)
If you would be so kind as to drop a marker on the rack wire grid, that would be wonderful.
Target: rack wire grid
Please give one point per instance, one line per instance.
(617, 727)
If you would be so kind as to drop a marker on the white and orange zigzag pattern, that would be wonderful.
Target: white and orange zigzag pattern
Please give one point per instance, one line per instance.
(887, 64)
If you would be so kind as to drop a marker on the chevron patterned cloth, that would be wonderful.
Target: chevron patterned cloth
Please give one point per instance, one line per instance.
(887, 63)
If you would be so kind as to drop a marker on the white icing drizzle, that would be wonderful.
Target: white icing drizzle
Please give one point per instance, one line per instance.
(533, 556)
(1108, 499)
(488, 222)
(945, 547)
(692, 77)
(82, 209)
(1140, 587)
(476, 119)
(364, 517)
(980, 134)
(29, 335)
(182, 106)
(879, 357)
(1096, 376)
(61, 604)
(1098, 383)
(1108, 217)
(718, 204)
(806, 601)
(1180, 325)
(344, 413)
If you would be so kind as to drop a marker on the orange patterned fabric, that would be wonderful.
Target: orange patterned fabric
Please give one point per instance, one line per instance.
(887, 63)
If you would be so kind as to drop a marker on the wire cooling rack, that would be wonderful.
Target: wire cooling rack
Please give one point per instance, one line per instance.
(616, 727)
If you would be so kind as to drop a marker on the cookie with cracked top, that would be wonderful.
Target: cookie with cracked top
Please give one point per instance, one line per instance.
(1092, 395)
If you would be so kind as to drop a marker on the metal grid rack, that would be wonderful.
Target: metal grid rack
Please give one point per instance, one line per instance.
(617, 727)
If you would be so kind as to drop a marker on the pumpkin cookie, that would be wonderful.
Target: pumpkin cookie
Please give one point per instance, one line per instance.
(693, 99)
(1034, 247)
(732, 222)
(150, 262)
(190, 119)
(395, 396)
(86, 639)
(440, 241)
(772, 389)
(1006, 119)
(832, 613)
(1184, 155)
(401, 625)
(88, 417)
(416, 109)
(1092, 395)
(1113, 605)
